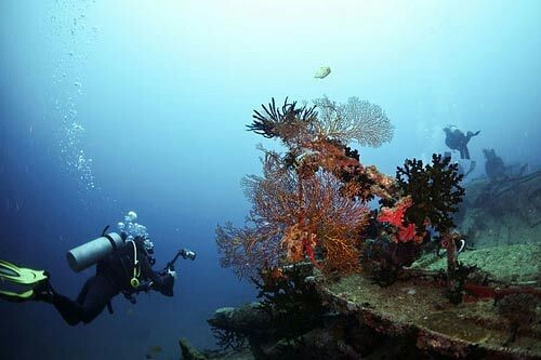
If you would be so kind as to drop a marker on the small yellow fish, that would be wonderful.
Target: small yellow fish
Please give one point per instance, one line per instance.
(155, 349)
(322, 72)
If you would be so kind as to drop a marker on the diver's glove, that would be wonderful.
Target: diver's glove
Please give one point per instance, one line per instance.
(145, 286)
(171, 271)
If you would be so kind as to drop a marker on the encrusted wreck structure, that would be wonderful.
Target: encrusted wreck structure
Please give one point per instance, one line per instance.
(503, 212)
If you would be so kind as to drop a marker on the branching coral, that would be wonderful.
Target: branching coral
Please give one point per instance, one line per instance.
(310, 203)
(434, 189)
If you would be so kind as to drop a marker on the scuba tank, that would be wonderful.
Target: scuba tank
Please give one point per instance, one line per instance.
(88, 254)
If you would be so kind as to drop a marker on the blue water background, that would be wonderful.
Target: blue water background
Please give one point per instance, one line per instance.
(107, 107)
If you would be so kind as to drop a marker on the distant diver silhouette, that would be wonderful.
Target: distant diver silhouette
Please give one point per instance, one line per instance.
(456, 140)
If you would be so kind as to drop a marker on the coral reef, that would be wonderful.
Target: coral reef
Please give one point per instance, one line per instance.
(312, 202)
(338, 280)
(301, 205)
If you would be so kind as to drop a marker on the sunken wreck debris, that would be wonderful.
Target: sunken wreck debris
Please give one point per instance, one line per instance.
(502, 213)
(410, 319)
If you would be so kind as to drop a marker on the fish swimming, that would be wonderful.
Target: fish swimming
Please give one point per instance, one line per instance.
(322, 72)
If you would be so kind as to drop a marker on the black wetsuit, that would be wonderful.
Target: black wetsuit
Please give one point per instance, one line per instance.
(456, 140)
(112, 277)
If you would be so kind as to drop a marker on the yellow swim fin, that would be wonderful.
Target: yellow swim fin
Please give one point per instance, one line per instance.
(17, 297)
(19, 276)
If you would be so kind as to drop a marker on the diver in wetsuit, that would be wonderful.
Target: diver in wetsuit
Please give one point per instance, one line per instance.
(461, 170)
(123, 265)
(115, 274)
(457, 140)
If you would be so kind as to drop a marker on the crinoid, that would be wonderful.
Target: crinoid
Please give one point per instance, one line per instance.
(281, 122)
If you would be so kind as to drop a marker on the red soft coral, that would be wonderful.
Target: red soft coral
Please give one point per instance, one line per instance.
(395, 215)
(406, 233)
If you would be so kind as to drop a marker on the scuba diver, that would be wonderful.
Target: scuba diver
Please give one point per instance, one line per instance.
(456, 140)
(123, 265)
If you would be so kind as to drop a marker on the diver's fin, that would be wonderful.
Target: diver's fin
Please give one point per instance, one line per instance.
(42, 291)
(19, 275)
(472, 167)
(17, 297)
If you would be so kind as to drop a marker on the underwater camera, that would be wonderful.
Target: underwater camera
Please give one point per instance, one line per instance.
(187, 254)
